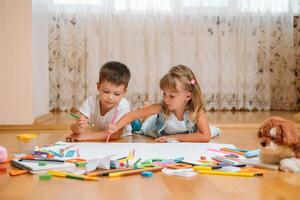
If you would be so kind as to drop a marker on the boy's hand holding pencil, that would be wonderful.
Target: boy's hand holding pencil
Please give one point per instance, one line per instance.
(80, 124)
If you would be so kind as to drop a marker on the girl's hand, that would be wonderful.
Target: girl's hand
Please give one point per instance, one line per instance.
(111, 129)
(161, 139)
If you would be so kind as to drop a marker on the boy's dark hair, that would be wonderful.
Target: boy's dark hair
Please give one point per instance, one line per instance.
(115, 72)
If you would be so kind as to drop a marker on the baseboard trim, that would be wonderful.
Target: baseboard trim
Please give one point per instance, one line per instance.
(34, 127)
(43, 119)
(40, 123)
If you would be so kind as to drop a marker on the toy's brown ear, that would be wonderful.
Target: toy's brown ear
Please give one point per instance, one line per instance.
(263, 132)
(262, 128)
(266, 126)
(290, 134)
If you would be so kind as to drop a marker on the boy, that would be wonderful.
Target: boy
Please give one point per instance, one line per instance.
(107, 107)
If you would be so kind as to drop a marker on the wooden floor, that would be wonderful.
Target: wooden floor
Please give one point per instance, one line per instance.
(237, 128)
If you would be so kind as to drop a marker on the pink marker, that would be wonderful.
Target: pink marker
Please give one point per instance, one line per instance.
(113, 121)
(78, 153)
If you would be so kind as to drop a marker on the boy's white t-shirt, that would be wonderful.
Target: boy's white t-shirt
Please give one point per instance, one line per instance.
(91, 109)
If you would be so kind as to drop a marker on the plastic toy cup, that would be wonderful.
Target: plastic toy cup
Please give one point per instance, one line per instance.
(27, 143)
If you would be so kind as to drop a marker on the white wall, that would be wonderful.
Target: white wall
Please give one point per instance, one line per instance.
(40, 57)
(23, 62)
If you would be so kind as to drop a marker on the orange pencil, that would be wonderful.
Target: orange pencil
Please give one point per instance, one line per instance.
(232, 151)
(106, 172)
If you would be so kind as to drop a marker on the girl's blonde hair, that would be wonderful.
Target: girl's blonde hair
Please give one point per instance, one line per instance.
(186, 77)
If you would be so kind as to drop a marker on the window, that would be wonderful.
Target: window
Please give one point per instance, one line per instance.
(173, 5)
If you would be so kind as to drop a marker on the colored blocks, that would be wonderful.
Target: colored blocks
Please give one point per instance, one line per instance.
(45, 177)
(147, 174)
(202, 158)
(70, 153)
(114, 164)
(80, 164)
(50, 156)
(16, 172)
(42, 164)
(3, 169)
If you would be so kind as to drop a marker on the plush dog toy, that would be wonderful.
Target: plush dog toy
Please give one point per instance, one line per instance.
(279, 141)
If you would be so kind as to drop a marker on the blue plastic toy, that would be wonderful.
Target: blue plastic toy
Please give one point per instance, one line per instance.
(136, 125)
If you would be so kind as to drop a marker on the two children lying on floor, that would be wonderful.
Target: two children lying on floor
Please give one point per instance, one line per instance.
(180, 116)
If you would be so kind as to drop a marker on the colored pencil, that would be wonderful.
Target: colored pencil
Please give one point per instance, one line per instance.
(106, 172)
(135, 171)
(188, 163)
(113, 121)
(75, 116)
(69, 175)
(41, 160)
(213, 172)
(62, 150)
(77, 152)
(123, 158)
(135, 164)
(221, 151)
(238, 149)
(232, 151)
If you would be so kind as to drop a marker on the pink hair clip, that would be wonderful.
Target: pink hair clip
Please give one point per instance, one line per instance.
(193, 81)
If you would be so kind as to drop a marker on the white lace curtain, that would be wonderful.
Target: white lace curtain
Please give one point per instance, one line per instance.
(245, 53)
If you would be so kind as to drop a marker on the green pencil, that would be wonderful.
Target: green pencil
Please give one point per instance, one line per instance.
(76, 116)
(135, 165)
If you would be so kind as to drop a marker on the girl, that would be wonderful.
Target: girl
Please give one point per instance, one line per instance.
(180, 116)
